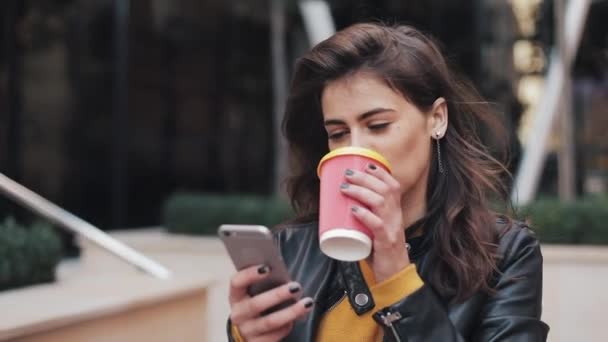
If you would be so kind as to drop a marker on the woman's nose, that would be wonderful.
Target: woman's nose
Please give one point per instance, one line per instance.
(358, 140)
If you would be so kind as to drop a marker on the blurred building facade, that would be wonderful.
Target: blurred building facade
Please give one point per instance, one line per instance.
(108, 107)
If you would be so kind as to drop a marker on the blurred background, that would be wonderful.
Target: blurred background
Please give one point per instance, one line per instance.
(109, 107)
(147, 113)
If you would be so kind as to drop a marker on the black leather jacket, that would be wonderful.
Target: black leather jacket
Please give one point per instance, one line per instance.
(511, 314)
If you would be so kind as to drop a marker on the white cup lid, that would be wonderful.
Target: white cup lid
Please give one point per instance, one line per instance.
(345, 244)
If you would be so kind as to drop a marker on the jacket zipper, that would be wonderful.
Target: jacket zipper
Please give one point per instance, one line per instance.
(337, 303)
(388, 320)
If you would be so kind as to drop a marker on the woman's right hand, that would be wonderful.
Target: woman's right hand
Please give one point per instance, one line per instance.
(245, 310)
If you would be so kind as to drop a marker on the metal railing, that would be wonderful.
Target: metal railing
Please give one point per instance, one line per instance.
(61, 217)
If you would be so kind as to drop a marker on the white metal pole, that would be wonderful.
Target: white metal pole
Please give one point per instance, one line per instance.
(317, 19)
(528, 174)
(566, 155)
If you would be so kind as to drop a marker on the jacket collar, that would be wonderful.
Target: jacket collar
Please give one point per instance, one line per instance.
(357, 290)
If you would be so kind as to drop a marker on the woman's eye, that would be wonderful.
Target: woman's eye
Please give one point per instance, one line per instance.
(336, 135)
(378, 127)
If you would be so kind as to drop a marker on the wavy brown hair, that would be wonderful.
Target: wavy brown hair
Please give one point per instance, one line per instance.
(459, 219)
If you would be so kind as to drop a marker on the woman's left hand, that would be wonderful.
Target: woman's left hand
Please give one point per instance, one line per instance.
(381, 193)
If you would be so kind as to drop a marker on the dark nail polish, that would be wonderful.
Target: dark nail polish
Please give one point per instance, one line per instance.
(344, 186)
(372, 167)
(263, 269)
(349, 172)
(308, 303)
(294, 288)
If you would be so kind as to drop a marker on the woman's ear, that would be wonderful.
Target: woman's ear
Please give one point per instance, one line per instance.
(438, 119)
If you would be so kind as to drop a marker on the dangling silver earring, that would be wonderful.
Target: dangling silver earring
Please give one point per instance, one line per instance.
(439, 163)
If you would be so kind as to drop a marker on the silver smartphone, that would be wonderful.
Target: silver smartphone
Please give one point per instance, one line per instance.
(250, 245)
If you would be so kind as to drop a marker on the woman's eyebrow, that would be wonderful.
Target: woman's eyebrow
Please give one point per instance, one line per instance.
(360, 117)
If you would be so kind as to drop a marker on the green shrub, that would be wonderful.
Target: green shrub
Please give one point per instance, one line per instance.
(189, 213)
(28, 255)
(584, 221)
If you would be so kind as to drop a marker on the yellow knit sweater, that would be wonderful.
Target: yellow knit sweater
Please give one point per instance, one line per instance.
(342, 321)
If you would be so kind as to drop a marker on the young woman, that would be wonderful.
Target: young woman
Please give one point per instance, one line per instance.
(444, 266)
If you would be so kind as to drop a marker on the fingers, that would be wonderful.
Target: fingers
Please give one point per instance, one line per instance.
(379, 182)
(254, 306)
(276, 320)
(384, 176)
(367, 189)
(367, 180)
(364, 195)
(369, 219)
(383, 238)
(246, 310)
(243, 279)
(379, 192)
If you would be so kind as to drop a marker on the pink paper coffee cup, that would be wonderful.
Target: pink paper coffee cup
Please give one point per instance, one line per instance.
(341, 235)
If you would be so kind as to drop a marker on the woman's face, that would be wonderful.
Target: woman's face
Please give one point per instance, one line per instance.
(361, 110)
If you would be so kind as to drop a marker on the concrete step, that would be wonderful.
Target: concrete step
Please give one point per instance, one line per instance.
(101, 298)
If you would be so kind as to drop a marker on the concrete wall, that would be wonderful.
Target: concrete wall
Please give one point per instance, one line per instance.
(102, 299)
(172, 320)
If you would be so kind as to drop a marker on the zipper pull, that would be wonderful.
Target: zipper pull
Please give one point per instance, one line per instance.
(388, 320)
(390, 317)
